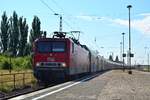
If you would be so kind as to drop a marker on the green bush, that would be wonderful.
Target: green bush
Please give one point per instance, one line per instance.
(6, 65)
(22, 63)
(17, 63)
(6, 88)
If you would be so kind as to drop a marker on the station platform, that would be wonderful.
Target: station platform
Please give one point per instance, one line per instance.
(111, 85)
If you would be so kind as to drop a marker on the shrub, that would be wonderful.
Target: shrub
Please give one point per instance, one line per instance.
(6, 65)
(6, 88)
(17, 63)
(28, 62)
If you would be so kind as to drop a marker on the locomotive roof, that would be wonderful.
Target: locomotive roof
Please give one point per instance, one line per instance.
(70, 39)
(47, 39)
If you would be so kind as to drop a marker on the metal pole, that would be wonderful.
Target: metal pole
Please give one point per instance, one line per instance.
(60, 23)
(123, 50)
(10, 64)
(130, 72)
(129, 40)
(120, 51)
(60, 28)
(148, 61)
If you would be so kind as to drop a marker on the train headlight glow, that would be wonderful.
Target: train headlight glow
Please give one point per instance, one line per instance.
(37, 64)
(63, 64)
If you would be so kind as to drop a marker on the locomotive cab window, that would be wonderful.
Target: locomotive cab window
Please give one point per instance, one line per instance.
(58, 47)
(51, 46)
(44, 47)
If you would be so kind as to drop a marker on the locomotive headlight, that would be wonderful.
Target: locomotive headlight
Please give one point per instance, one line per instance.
(37, 64)
(63, 64)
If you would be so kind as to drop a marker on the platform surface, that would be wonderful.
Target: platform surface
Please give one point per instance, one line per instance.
(111, 85)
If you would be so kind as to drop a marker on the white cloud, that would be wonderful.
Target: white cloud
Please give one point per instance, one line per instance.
(120, 21)
(142, 25)
(144, 14)
(89, 18)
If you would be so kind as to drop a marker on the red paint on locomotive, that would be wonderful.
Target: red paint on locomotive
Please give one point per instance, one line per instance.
(59, 56)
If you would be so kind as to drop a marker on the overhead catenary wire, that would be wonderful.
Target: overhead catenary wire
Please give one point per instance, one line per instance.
(53, 11)
(62, 10)
(42, 1)
(48, 6)
(57, 5)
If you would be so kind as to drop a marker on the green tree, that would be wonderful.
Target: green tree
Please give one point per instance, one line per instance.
(27, 49)
(10, 34)
(35, 31)
(4, 32)
(117, 59)
(14, 37)
(23, 33)
(0, 46)
(110, 58)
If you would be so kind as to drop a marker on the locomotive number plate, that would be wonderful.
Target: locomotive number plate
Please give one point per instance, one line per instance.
(50, 59)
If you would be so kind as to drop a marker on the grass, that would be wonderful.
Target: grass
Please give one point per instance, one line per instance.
(6, 88)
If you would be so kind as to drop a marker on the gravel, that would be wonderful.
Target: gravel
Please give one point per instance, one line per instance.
(124, 86)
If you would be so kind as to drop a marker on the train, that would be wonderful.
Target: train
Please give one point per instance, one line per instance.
(61, 58)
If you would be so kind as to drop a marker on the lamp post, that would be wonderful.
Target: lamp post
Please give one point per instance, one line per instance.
(120, 51)
(148, 61)
(123, 55)
(60, 23)
(130, 72)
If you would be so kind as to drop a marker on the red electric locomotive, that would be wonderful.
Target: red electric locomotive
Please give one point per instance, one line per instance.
(59, 58)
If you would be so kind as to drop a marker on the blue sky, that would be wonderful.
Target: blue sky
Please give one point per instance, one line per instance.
(104, 20)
